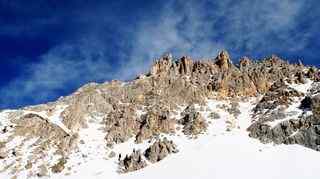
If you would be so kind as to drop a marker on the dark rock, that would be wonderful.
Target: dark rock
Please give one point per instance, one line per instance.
(193, 123)
(57, 168)
(278, 95)
(132, 163)
(234, 109)
(315, 105)
(159, 150)
(223, 60)
(306, 103)
(112, 154)
(214, 115)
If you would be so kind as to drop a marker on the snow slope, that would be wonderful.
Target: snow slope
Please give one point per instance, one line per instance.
(216, 154)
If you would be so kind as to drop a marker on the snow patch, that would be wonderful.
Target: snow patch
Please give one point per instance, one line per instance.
(54, 117)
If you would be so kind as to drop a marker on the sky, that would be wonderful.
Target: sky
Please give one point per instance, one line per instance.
(50, 48)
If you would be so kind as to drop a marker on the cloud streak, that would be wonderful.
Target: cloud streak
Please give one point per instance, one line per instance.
(194, 28)
(201, 29)
(63, 68)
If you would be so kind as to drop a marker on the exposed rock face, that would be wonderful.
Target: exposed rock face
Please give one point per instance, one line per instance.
(159, 150)
(121, 124)
(132, 163)
(162, 66)
(223, 60)
(155, 123)
(32, 126)
(301, 129)
(193, 123)
(272, 108)
(278, 95)
(315, 105)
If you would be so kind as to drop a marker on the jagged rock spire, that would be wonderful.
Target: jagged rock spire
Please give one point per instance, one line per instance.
(223, 60)
(186, 64)
(162, 65)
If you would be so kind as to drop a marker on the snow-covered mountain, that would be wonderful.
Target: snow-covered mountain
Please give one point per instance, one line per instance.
(184, 119)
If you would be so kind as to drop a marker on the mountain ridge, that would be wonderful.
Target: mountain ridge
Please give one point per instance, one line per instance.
(177, 97)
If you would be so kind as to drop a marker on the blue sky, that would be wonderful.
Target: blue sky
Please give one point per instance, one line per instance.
(50, 48)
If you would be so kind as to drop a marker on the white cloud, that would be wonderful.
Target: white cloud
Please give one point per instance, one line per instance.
(62, 68)
(194, 28)
(200, 29)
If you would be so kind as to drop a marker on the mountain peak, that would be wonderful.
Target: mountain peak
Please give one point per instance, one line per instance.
(177, 102)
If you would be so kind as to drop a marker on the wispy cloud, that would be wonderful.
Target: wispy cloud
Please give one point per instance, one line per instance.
(195, 28)
(201, 28)
(62, 69)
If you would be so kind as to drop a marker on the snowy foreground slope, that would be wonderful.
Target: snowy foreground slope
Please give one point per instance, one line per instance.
(184, 119)
(216, 154)
(220, 154)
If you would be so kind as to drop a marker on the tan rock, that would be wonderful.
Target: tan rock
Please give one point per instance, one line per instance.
(162, 66)
(245, 62)
(59, 167)
(223, 60)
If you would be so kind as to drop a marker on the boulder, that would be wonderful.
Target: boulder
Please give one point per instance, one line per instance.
(159, 150)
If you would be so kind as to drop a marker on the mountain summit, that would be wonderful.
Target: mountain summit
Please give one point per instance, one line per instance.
(181, 111)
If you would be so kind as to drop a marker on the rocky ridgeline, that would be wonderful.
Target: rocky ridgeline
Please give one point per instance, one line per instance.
(151, 105)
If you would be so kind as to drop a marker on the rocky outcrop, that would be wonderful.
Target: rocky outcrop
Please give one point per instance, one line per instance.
(315, 106)
(313, 74)
(159, 150)
(278, 95)
(223, 60)
(154, 123)
(58, 167)
(132, 162)
(121, 124)
(302, 130)
(162, 66)
(193, 123)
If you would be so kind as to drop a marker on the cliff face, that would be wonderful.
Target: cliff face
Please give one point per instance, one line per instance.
(165, 101)
(223, 79)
